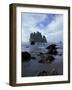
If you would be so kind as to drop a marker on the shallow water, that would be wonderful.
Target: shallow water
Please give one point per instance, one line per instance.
(33, 67)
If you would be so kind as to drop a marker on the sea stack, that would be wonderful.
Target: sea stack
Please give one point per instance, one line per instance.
(37, 38)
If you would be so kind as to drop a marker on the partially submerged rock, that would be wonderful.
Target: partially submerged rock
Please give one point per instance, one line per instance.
(53, 52)
(26, 56)
(47, 59)
(52, 49)
(53, 46)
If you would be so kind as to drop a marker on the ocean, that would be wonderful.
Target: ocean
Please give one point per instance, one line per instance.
(33, 67)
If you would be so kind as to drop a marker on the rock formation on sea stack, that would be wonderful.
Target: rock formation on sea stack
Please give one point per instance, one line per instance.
(37, 38)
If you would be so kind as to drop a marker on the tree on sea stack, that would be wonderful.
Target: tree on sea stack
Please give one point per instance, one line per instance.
(37, 38)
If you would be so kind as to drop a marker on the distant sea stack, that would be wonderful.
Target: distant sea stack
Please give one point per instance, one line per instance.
(37, 38)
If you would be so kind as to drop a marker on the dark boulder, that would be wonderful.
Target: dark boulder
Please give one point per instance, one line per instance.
(26, 56)
(52, 46)
(53, 52)
(49, 58)
(52, 49)
(32, 43)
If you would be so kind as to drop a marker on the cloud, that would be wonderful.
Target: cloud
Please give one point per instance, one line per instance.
(50, 25)
(54, 31)
(29, 22)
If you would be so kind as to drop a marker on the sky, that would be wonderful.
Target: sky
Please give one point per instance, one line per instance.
(50, 25)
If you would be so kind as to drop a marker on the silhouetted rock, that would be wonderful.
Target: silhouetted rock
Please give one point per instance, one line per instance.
(47, 59)
(52, 46)
(52, 49)
(37, 38)
(53, 52)
(32, 43)
(26, 56)
(44, 39)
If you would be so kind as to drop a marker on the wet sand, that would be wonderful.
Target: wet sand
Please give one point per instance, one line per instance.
(33, 67)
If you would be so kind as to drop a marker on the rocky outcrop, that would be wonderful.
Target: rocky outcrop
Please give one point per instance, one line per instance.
(37, 37)
(52, 49)
(26, 56)
(47, 59)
